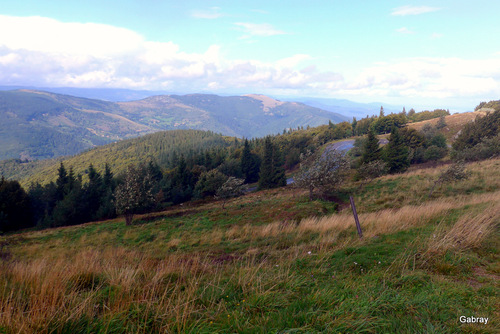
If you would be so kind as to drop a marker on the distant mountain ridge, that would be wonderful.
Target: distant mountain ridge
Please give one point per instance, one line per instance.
(39, 124)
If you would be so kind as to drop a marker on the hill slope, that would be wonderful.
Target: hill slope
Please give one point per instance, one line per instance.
(271, 261)
(454, 123)
(157, 146)
(39, 125)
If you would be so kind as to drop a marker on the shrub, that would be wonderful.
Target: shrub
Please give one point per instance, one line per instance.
(434, 153)
(487, 148)
(455, 172)
(372, 170)
(208, 183)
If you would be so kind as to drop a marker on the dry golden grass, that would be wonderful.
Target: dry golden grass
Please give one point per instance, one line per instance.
(468, 232)
(70, 288)
(454, 123)
(373, 223)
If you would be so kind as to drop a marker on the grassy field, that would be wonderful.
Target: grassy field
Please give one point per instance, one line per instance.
(271, 262)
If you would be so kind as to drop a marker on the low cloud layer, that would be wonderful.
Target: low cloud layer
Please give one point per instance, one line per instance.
(44, 52)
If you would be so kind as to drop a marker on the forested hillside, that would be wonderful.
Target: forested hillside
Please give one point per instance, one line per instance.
(37, 125)
(159, 147)
(41, 125)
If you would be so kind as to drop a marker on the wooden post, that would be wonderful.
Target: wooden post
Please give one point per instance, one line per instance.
(358, 226)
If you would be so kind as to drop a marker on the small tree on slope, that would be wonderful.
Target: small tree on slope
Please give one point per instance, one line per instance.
(134, 194)
(325, 172)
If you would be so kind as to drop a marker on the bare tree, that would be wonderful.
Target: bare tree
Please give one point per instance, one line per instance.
(325, 172)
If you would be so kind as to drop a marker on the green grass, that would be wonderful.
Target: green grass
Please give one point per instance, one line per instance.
(251, 268)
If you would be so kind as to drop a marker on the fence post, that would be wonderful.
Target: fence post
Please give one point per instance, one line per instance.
(358, 226)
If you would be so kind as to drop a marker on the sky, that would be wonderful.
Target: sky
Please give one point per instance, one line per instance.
(422, 54)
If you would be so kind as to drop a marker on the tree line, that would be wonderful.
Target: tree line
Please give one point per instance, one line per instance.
(223, 171)
(141, 188)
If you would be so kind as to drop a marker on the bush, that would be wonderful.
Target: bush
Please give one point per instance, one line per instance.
(474, 132)
(434, 153)
(372, 170)
(455, 172)
(209, 183)
(487, 148)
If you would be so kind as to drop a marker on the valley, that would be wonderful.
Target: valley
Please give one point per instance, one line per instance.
(40, 125)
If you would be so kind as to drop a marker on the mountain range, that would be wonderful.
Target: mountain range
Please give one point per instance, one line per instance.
(39, 124)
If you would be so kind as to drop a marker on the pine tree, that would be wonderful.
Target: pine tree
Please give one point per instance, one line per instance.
(250, 164)
(381, 112)
(371, 149)
(107, 208)
(93, 192)
(396, 153)
(107, 180)
(72, 208)
(61, 182)
(15, 208)
(272, 173)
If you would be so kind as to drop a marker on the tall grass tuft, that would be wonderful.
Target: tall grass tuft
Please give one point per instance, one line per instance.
(468, 232)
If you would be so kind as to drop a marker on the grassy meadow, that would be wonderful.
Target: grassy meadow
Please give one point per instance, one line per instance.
(271, 262)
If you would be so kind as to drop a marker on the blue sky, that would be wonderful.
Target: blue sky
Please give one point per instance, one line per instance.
(424, 54)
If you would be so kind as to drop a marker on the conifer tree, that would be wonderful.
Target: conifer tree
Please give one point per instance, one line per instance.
(61, 182)
(107, 180)
(107, 208)
(15, 209)
(272, 173)
(93, 192)
(250, 164)
(396, 153)
(371, 149)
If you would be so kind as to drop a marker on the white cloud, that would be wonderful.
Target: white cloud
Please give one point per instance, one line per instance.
(133, 62)
(210, 14)
(258, 29)
(405, 31)
(48, 35)
(429, 78)
(413, 10)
